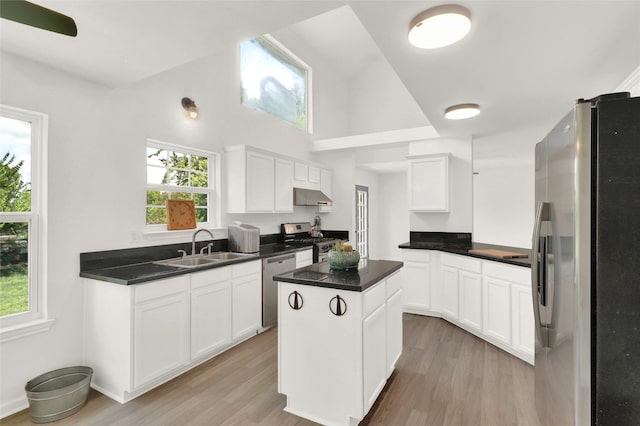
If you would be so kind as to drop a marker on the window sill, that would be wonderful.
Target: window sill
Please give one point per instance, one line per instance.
(27, 329)
(218, 233)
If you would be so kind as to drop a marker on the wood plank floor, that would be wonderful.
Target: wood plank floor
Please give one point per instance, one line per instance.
(445, 376)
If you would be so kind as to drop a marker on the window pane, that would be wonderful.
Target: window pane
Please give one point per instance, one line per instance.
(177, 177)
(199, 180)
(272, 82)
(156, 215)
(156, 174)
(201, 200)
(201, 215)
(156, 157)
(14, 271)
(15, 165)
(200, 164)
(157, 198)
(180, 195)
(178, 160)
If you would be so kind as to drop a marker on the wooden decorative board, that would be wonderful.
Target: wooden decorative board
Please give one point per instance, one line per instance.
(500, 254)
(181, 214)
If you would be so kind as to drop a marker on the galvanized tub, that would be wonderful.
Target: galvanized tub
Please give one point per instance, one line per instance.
(58, 394)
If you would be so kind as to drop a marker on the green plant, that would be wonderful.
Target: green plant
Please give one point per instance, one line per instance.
(337, 246)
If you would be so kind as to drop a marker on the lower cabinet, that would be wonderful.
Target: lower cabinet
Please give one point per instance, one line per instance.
(331, 367)
(139, 336)
(304, 258)
(489, 299)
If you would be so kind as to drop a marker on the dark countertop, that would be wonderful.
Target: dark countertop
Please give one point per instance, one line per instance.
(137, 273)
(463, 249)
(368, 273)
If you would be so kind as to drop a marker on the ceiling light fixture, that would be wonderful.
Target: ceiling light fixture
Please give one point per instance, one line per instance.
(462, 111)
(439, 26)
(190, 107)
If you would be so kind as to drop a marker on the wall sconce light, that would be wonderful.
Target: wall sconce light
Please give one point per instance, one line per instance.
(190, 107)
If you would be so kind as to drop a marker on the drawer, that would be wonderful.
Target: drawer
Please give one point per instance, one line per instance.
(373, 298)
(394, 283)
(304, 258)
(210, 276)
(246, 268)
(410, 255)
(512, 273)
(461, 262)
(156, 289)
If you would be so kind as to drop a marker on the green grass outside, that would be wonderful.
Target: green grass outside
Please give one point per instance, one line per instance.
(14, 290)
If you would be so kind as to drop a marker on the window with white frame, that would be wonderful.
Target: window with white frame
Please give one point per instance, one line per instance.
(275, 81)
(22, 199)
(180, 173)
(362, 220)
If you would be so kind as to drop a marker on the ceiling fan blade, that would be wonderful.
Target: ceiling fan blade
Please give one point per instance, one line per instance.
(37, 16)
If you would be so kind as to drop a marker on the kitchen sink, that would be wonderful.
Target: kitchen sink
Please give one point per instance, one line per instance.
(224, 255)
(203, 260)
(188, 262)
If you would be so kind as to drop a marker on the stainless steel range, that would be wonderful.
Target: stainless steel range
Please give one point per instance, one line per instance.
(300, 233)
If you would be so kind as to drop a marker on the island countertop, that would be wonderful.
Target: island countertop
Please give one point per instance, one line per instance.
(368, 273)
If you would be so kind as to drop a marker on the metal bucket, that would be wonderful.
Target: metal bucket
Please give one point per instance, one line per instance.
(58, 394)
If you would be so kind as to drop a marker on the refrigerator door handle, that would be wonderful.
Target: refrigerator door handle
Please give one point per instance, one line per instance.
(538, 270)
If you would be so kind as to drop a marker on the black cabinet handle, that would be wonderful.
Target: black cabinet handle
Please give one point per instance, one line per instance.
(296, 301)
(338, 306)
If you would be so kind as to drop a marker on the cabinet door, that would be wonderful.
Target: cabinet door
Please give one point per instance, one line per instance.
(429, 183)
(160, 337)
(374, 355)
(449, 292)
(304, 258)
(470, 285)
(523, 322)
(417, 285)
(210, 318)
(301, 173)
(314, 177)
(283, 185)
(394, 330)
(496, 295)
(260, 182)
(246, 305)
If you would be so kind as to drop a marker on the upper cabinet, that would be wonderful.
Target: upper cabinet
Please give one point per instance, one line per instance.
(429, 182)
(325, 187)
(259, 181)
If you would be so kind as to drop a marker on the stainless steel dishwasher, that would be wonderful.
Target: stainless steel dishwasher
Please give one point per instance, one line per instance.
(273, 266)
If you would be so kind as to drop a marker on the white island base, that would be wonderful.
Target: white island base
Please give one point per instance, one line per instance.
(333, 367)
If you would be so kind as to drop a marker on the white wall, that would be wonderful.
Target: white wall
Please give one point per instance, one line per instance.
(460, 216)
(393, 214)
(96, 180)
(80, 167)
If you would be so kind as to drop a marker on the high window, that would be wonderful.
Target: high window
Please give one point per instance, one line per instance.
(22, 238)
(180, 173)
(275, 81)
(362, 220)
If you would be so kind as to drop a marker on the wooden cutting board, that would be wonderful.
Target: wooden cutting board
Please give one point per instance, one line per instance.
(500, 254)
(180, 214)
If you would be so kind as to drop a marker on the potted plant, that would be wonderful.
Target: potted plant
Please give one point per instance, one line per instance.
(343, 256)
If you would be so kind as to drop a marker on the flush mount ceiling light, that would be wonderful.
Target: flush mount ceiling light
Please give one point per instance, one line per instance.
(190, 107)
(462, 111)
(439, 26)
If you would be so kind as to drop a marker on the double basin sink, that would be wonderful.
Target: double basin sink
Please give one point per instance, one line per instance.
(204, 260)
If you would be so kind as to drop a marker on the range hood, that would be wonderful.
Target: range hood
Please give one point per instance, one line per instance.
(310, 197)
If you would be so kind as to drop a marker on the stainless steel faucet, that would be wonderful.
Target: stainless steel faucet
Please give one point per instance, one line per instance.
(193, 240)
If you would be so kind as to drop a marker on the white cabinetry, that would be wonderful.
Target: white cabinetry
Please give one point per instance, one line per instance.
(283, 185)
(160, 329)
(417, 281)
(489, 299)
(260, 187)
(246, 282)
(210, 311)
(332, 368)
(428, 183)
(304, 258)
(139, 336)
(306, 176)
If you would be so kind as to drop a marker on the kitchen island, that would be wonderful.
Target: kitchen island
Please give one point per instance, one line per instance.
(339, 337)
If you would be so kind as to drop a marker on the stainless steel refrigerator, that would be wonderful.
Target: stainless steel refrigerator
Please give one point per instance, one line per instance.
(586, 275)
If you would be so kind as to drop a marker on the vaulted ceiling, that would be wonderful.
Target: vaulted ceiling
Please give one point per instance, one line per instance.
(524, 61)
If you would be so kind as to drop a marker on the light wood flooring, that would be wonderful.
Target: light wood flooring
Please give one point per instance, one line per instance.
(445, 376)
